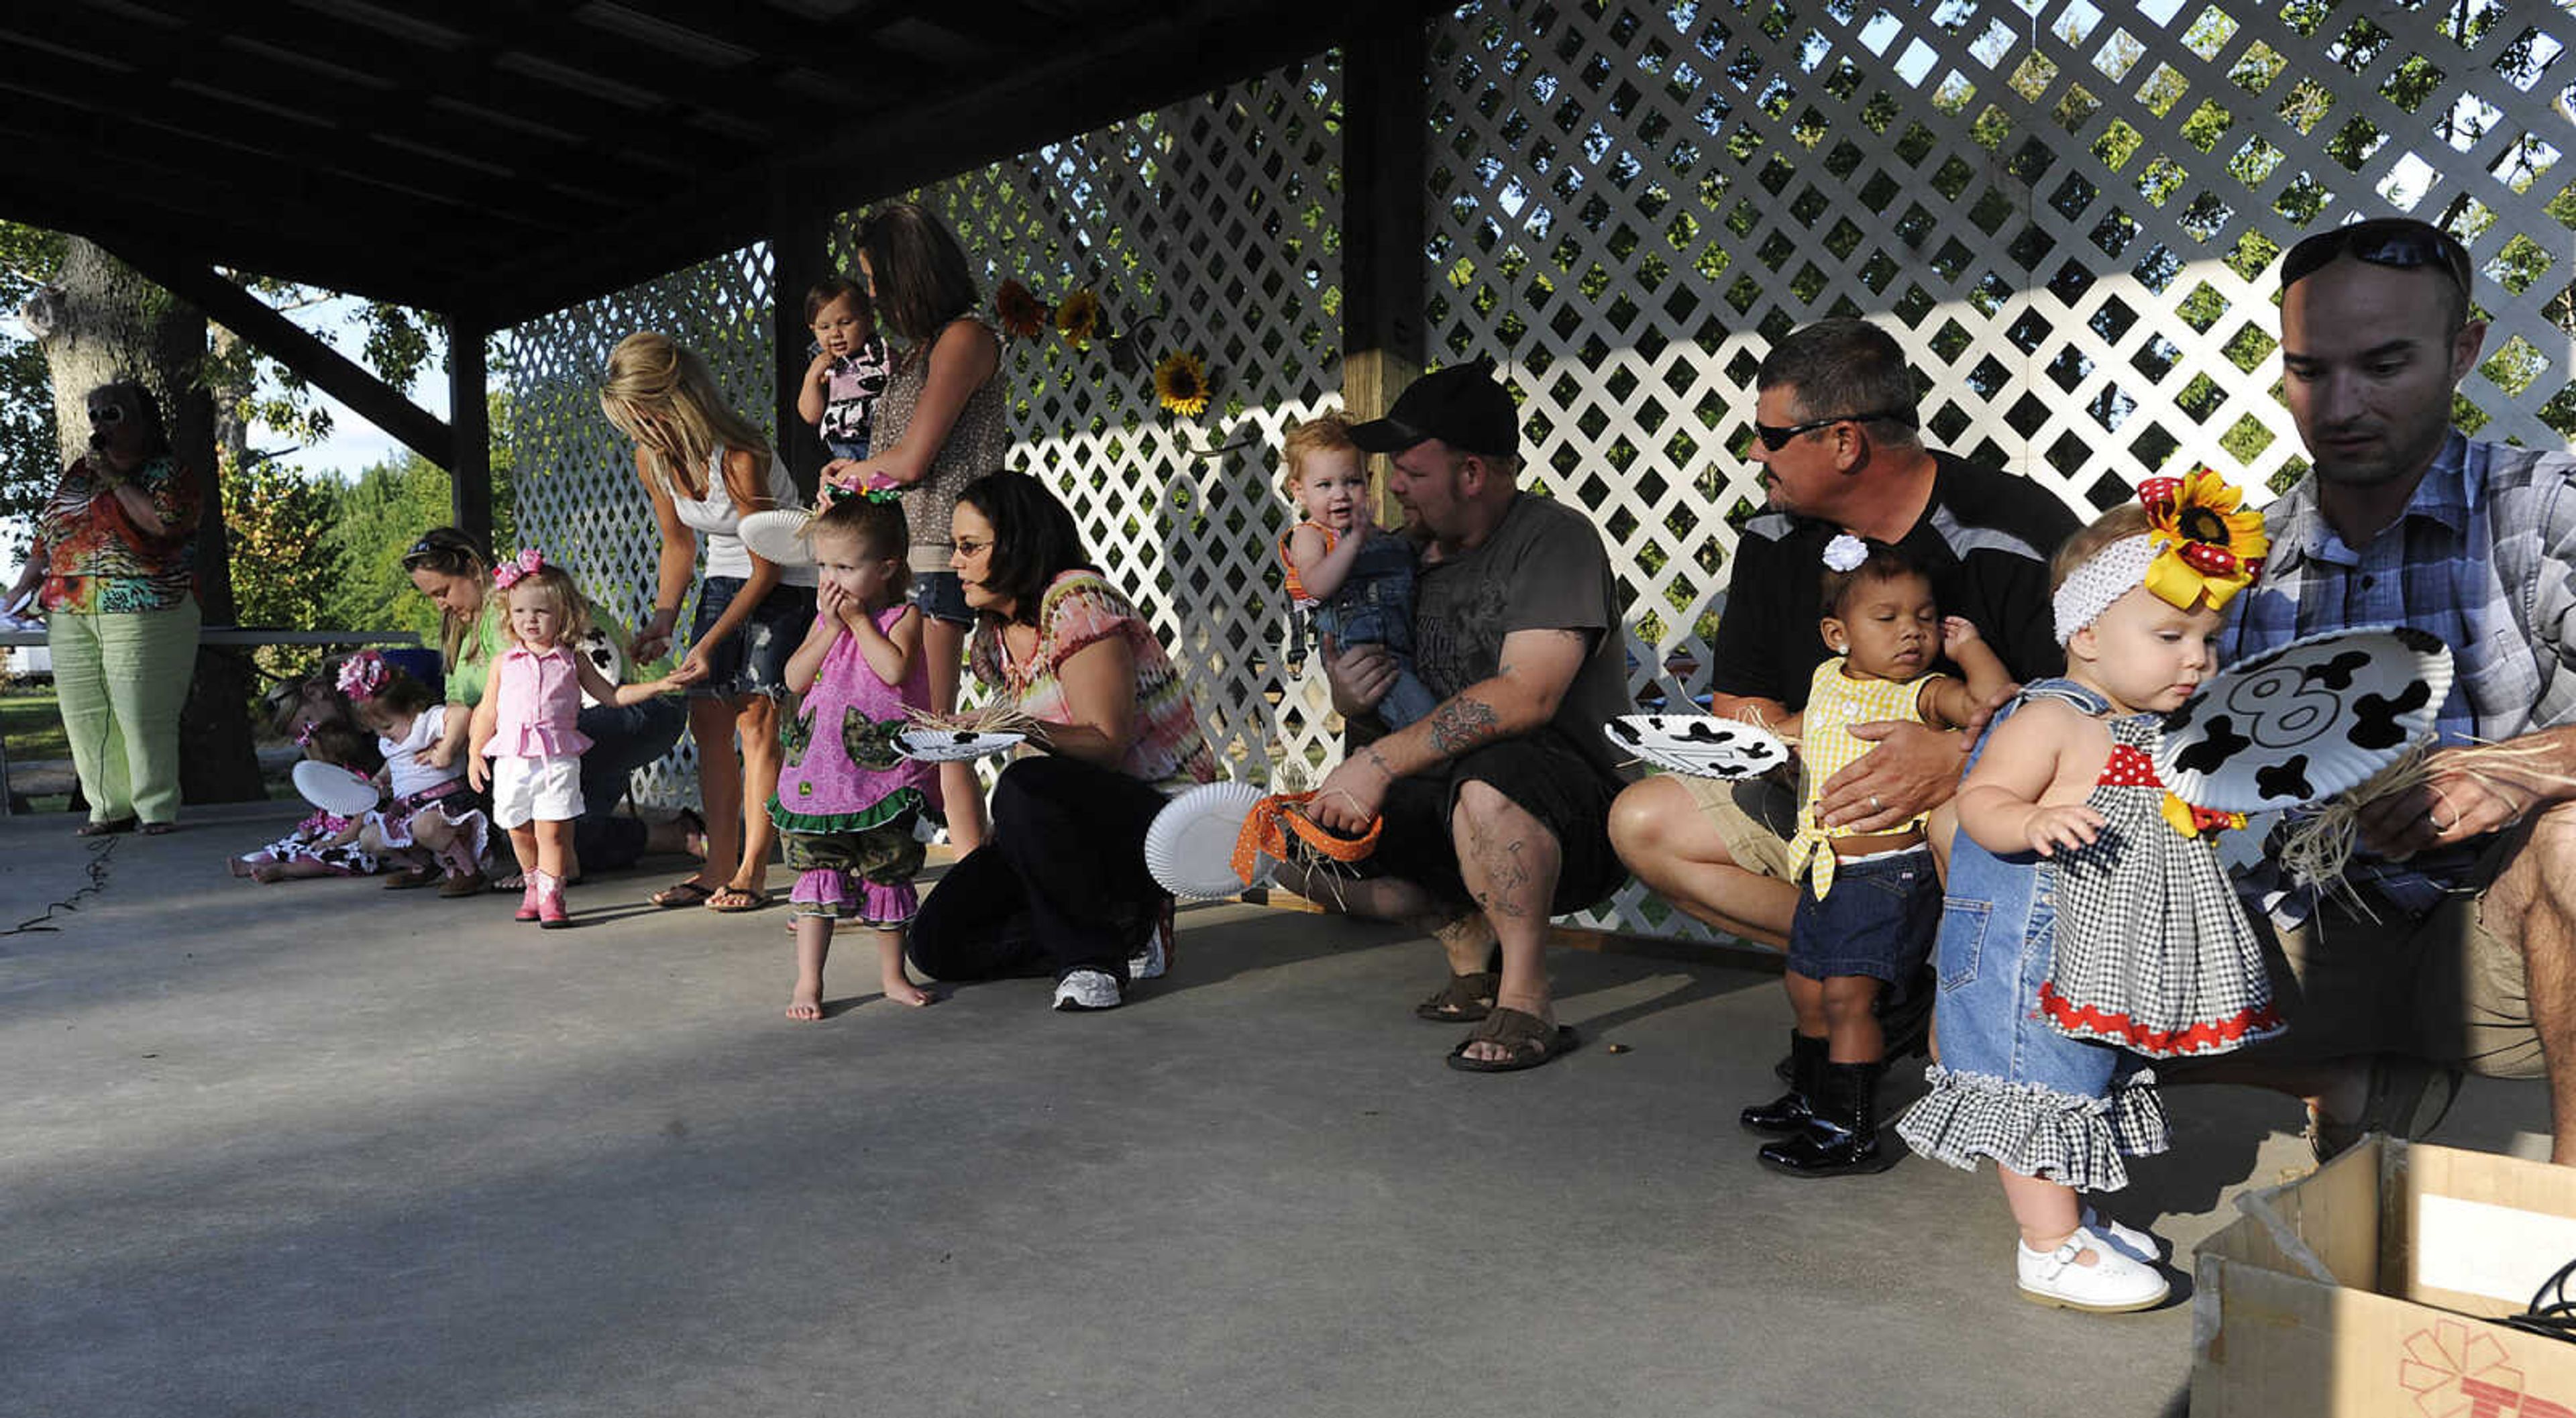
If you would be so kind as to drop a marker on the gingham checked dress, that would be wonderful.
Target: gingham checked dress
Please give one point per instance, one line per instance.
(2153, 950)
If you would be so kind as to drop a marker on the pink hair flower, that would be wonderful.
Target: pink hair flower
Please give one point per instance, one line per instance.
(362, 675)
(528, 562)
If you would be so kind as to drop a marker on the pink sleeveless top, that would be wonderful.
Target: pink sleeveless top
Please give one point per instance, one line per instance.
(540, 697)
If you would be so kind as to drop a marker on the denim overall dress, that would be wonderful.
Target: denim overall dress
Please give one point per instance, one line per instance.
(1374, 606)
(2009, 1086)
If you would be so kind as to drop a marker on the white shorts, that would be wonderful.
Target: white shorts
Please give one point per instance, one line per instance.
(535, 789)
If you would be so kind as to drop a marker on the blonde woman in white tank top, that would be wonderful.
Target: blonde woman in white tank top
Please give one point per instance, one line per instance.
(940, 425)
(704, 466)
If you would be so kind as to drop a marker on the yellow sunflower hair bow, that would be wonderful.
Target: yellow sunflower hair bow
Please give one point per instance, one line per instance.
(2208, 544)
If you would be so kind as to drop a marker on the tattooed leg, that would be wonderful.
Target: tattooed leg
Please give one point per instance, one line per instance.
(1510, 862)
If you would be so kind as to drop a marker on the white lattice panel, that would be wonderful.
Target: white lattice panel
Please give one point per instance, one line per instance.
(578, 496)
(2066, 213)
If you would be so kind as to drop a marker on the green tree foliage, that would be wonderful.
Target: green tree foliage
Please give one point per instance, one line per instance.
(280, 520)
(380, 515)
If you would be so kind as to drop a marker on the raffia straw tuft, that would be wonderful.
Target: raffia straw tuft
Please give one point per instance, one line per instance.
(998, 717)
(2316, 851)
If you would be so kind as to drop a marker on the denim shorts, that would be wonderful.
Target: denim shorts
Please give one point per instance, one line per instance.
(752, 660)
(1878, 920)
(941, 596)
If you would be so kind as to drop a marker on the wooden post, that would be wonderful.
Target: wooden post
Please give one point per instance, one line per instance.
(799, 255)
(469, 416)
(1383, 143)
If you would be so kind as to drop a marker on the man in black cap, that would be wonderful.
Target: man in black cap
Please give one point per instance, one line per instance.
(1495, 804)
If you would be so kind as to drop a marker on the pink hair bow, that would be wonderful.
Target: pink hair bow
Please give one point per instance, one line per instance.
(362, 675)
(528, 562)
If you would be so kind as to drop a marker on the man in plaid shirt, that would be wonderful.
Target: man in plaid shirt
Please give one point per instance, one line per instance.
(2461, 950)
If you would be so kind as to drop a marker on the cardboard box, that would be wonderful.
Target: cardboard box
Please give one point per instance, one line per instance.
(2366, 1290)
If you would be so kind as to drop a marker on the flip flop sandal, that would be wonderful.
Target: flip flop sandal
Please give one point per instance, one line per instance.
(159, 829)
(104, 829)
(1464, 1000)
(681, 893)
(1527, 1037)
(734, 900)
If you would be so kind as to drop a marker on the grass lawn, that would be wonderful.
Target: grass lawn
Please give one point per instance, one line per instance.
(32, 722)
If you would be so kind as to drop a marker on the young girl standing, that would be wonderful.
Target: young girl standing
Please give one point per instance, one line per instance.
(524, 724)
(1867, 904)
(2068, 843)
(848, 805)
(435, 820)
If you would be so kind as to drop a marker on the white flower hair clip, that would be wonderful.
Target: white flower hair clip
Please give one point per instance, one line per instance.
(1845, 552)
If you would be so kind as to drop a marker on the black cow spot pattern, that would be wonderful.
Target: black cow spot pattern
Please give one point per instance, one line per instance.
(2219, 742)
(2287, 779)
(2336, 674)
(2377, 726)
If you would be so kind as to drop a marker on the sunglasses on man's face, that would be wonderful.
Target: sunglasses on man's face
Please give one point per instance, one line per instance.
(106, 415)
(2382, 241)
(1775, 437)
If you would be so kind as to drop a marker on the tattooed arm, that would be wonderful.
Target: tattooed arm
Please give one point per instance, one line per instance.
(1536, 669)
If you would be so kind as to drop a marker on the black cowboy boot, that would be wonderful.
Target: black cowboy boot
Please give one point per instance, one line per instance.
(1843, 1137)
(1793, 1110)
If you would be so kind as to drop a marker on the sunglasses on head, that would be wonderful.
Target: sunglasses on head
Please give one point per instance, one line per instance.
(1775, 437)
(2396, 242)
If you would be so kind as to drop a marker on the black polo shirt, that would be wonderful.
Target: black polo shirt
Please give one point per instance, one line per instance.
(1985, 537)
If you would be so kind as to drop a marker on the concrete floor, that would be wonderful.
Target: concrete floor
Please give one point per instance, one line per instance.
(313, 1148)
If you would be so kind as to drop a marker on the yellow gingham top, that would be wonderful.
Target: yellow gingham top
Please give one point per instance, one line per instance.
(1835, 702)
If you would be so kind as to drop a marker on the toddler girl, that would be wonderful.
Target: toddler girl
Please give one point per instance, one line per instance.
(435, 819)
(839, 395)
(1847, 941)
(324, 843)
(849, 808)
(524, 724)
(1353, 575)
(2073, 870)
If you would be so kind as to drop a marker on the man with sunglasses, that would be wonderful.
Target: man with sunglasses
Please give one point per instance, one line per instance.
(1835, 433)
(2457, 945)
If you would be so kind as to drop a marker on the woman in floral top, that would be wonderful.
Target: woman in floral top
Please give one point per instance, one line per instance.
(1061, 884)
(116, 548)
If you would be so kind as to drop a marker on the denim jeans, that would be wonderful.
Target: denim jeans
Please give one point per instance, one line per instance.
(1408, 698)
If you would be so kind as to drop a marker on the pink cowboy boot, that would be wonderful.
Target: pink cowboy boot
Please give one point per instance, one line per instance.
(550, 903)
(528, 897)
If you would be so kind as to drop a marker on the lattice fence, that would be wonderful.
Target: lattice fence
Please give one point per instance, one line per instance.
(2067, 213)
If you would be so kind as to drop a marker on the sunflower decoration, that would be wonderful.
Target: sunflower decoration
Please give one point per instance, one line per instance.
(1078, 319)
(1181, 384)
(1021, 314)
(2208, 544)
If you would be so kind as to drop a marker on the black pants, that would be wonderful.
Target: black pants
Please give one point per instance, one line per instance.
(621, 741)
(1059, 886)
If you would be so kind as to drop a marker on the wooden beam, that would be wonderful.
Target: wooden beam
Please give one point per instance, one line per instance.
(469, 413)
(1383, 135)
(289, 344)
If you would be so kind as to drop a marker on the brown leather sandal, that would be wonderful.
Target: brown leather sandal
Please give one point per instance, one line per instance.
(1464, 1000)
(1528, 1041)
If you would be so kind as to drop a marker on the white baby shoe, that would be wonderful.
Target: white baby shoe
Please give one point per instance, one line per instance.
(2113, 1284)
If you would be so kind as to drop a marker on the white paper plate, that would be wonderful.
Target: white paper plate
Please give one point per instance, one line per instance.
(2307, 721)
(1701, 745)
(953, 745)
(334, 789)
(772, 536)
(1190, 847)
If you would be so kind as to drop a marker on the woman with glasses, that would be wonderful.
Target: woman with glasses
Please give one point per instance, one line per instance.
(939, 424)
(705, 467)
(114, 569)
(1061, 884)
(452, 569)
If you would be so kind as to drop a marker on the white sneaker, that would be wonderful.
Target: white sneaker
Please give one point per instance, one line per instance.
(1086, 989)
(2143, 1247)
(2113, 1284)
(1150, 962)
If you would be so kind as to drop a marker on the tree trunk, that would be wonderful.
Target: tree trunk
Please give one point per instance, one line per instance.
(108, 323)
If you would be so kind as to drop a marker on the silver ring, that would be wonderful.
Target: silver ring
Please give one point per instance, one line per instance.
(1875, 805)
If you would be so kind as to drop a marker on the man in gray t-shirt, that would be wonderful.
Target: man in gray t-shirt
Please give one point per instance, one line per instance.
(1516, 627)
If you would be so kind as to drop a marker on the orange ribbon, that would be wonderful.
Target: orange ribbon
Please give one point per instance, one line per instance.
(1266, 829)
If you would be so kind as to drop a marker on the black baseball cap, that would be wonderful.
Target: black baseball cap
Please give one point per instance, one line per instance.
(1461, 406)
